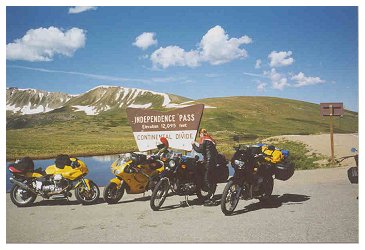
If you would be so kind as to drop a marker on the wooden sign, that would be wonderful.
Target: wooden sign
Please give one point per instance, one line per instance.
(179, 126)
(331, 108)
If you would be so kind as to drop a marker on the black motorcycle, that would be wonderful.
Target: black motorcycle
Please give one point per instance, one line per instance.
(352, 172)
(184, 176)
(253, 177)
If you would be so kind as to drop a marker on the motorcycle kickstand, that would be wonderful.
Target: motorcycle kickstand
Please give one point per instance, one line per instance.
(185, 201)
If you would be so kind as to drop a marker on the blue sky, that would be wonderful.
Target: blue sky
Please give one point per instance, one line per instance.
(303, 53)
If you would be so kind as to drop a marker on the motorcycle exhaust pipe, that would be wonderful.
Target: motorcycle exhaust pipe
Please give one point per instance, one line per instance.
(22, 185)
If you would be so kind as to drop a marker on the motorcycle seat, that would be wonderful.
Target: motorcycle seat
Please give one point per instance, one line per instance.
(14, 170)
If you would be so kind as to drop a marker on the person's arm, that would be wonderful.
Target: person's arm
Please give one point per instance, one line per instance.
(200, 148)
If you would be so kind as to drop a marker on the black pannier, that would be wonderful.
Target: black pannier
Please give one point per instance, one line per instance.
(221, 171)
(283, 171)
(353, 175)
(25, 164)
(62, 161)
(190, 163)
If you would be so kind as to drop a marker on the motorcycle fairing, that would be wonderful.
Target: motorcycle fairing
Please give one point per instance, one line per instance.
(117, 181)
(33, 175)
(68, 172)
(136, 182)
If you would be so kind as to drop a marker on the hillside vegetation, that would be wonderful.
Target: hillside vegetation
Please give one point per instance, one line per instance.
(251, 118)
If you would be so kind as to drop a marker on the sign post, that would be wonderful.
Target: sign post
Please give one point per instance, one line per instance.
(179, 126)
(331, 134)
(331, 109)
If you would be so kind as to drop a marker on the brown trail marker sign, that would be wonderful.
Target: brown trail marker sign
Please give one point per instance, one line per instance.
(179, 126)
(331, 109)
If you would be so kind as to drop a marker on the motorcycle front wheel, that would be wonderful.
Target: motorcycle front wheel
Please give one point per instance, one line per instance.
(230, 198)
(86, 197)
(112, 194)
(21, 197)
(159, 194)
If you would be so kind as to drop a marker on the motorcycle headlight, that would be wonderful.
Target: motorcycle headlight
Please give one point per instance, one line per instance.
(239, 163)
(172, 163)
(117, 171)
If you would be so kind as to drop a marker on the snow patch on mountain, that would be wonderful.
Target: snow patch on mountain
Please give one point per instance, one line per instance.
(28, 109)
(89, 110)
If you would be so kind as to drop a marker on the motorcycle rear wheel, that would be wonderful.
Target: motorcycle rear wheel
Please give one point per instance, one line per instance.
(87, 197)
(21, 197)
(230, 198)
(112, 194)
(159, 194)
(268, 188)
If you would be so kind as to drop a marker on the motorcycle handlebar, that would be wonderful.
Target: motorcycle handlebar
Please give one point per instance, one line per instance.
(345, 157)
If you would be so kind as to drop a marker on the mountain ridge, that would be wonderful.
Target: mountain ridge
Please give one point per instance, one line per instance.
(92, 102)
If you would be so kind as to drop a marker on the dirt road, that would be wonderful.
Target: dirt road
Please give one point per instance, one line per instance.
(313, 206)
(321, 144)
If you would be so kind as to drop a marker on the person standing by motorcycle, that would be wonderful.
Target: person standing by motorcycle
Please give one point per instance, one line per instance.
(207, 147)
(163, 149)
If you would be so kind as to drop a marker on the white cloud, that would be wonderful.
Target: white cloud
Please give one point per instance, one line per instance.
(258, 64)
(279, 59)
(215, 48)
(302, 80)
(145, 40)
(79, 9)
(254, 75)
(278, 81)
(43, 44)
(261, 86)
(175, 56)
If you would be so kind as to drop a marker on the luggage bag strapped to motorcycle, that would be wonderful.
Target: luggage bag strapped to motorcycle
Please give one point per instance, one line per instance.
(62, 161)
(221, 171)
(274, 155)
(283, 169)
(24, 164)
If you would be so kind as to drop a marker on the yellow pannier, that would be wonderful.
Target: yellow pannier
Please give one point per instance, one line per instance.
(275, 155)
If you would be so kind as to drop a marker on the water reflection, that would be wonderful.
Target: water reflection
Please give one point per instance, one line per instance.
(99, 168)
(105, 158)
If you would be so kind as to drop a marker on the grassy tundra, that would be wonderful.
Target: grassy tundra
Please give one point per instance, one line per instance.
(252, 118)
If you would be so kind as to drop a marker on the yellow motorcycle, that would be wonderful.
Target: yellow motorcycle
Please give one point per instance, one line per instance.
(55, 182)
(135, 173)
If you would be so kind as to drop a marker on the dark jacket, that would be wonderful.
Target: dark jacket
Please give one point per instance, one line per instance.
(209, 151)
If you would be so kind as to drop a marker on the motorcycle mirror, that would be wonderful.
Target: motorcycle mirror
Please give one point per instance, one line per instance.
(353, 150)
